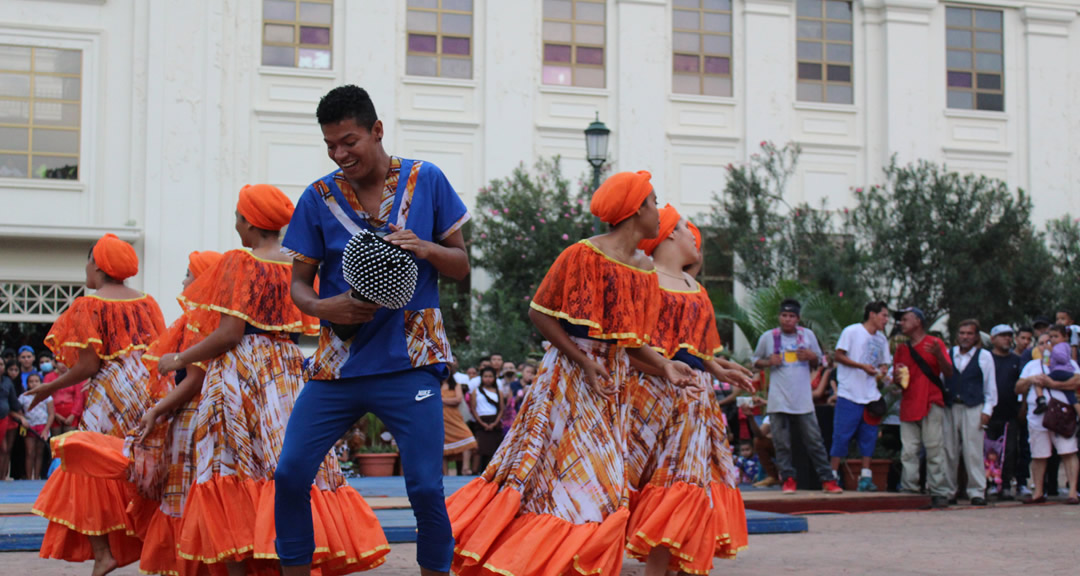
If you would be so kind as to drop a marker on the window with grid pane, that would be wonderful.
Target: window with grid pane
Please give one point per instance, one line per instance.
(440, 38)
(701, 47)
(574, 43)
(825, 52)
(974, 59)
(40, 108)
(296, 33)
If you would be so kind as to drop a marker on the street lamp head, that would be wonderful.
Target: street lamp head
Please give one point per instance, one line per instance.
(596, 142)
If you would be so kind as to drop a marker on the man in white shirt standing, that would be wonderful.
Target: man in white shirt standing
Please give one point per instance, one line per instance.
(970, 395)
(862, 357)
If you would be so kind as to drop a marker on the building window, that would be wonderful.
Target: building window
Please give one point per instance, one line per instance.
(825, 52)
(574, 43)
(297, 33)
(974, 62)
(30, 302)
(701, 44)
(440, 38)
(40, 107)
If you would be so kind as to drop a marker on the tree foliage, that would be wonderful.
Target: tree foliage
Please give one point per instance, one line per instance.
(522, 224)
(1064, 244)
(775, 240)
(961, 245)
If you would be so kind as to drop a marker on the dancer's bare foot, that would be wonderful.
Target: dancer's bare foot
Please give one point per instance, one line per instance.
(103, 566)
(103, 558)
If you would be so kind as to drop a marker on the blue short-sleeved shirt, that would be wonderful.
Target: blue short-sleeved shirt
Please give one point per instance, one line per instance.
(395, 340)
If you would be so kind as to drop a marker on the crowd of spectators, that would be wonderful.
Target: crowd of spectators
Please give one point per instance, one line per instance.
(24, 434)
(993, 415)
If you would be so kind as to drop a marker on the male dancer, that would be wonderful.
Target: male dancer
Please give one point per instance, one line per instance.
(393, 365)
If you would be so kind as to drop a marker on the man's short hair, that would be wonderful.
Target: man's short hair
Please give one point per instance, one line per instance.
(348, 101)
(1064, 310)
(1060, 329)
(968, 322)
(1027, 329)
(874, 307)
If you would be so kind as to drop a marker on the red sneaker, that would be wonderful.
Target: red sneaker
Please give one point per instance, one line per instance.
(789, 486)
(831, 487)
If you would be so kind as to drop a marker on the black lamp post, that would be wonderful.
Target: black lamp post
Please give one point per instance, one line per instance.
(596, 148)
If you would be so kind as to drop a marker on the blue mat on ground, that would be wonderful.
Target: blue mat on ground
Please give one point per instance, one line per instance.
(24, 532)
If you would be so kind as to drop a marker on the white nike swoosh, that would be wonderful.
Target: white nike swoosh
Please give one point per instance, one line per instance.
(424, 395)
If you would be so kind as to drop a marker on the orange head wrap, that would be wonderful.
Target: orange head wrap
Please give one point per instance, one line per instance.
(199, 262)
(264, 206)
(697, 234)
(669, 219)
(116, 257)
(620, 196)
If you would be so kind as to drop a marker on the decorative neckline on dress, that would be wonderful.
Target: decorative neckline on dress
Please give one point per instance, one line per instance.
(588, 243)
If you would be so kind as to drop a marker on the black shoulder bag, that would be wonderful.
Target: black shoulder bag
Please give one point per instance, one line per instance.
(925, 368)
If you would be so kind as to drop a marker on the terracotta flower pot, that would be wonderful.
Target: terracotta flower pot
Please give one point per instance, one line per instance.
(376, 464)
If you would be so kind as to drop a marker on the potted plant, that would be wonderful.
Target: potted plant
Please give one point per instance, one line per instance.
(378, 454)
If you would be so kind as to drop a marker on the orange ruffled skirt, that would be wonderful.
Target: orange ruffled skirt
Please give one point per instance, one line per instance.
(79, 505)
(680, 463)
(248, 395)
(554, 499)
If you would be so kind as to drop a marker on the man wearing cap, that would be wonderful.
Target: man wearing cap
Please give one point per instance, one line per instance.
(921, 362)
(790, 353)
(970, 394)
(1005, 418)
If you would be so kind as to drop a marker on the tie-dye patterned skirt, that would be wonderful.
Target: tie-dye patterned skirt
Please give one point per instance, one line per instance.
(78, 505)
(247, 397)
(554, 499)
(680, 468)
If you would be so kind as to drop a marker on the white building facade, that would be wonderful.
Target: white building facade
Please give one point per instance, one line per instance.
(145, 117)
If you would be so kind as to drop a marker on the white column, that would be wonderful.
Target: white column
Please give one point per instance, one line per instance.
(909, 104)
(509, 76)
(642, 58)
(873, 93)
(374, 57)
(767, 62)
(1049, 64)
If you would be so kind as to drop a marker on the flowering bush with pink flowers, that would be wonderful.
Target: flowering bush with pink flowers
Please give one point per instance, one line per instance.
(522, 223)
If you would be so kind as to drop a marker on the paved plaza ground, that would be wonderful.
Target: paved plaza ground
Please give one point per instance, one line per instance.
(1011, 540)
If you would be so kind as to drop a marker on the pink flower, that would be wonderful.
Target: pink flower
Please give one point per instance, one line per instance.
(494, 212)
(483, 235)
(845, 210)
(762, 238)
(532, 227)
(506, 210)
(566, 215)
(525, 298)
(580, 201)
(763, 143)
(565, 236)
(859, 190)
(542, 221)
(467, 338)
(565, 203)
(522, 256)
(841, 294)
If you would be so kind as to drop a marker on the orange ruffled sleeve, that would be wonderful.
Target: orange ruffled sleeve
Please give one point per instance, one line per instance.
(184, 333)
(614, 300)
(110, 328)
(687, 322)
(249, 288)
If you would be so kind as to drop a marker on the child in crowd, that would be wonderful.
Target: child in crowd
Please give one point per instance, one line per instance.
(487, 405)
(748, 464)
(344, 456)
(1061, 370)
(38, 421)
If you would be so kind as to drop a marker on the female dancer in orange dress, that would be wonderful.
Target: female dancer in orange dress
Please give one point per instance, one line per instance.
(253, 375)
(553, 501)
(686, 508)
(101, 337)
